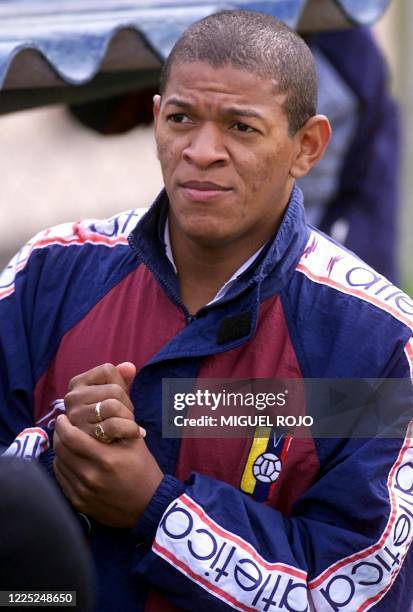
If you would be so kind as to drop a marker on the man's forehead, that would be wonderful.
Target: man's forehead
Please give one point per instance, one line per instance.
(190, 80)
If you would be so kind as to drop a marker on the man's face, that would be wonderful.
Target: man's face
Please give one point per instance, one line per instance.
(225, 153)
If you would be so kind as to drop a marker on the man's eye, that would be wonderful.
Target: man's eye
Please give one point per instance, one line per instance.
(178, 118)
(243, 127)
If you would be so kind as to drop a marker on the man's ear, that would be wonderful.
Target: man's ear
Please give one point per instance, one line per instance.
(312, 140)
(156, 109)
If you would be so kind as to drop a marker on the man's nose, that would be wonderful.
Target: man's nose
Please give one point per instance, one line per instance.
(206, 146)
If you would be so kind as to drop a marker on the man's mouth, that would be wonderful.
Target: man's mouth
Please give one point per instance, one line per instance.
(201, 191)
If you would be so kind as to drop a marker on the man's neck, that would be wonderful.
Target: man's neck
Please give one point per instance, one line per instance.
(203, 270)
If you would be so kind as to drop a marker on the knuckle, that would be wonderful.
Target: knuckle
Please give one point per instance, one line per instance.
(87, 483)
(71, 399)
(109, 370)
(114, 408)
(74, 382)
(106, 465)
(110, 428)
(126, 401)
(116, 392)
(75, 416)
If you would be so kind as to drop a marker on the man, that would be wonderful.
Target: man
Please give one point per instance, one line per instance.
(221, 279)
(352, 194)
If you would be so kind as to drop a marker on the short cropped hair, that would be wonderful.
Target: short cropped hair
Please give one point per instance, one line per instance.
(257, 43)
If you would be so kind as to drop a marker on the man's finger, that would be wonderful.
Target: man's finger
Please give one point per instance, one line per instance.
(128, 372)
(117, 428)
(110, 408)
(81, 397)
(103, 374)
(64, 482)
(71, 484)
(72, 440)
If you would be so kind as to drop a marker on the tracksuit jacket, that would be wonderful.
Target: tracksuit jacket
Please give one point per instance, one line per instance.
(332, 531)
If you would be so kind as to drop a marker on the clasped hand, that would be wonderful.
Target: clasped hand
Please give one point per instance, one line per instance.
(112, 483)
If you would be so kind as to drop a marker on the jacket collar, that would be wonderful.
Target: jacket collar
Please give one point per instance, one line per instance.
(278, 260)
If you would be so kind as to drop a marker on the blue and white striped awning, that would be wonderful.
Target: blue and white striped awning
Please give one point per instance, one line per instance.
(80, 49)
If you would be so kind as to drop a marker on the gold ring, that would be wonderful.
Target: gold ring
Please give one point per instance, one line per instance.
(97, 412)
(100, 434)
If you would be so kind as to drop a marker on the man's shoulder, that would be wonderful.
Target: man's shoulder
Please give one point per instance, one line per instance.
(109, 232)
(56, 244)
(345, 318)
(352, 283)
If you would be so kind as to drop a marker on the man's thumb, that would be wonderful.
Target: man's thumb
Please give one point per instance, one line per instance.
(128, 372)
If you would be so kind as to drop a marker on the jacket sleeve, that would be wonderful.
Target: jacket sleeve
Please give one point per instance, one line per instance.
(16, 356)
(26, 327)
(27, 334)
(344, 547)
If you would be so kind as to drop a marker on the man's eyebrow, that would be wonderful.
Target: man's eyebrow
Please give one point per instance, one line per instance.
(238, 111)
(180, 103)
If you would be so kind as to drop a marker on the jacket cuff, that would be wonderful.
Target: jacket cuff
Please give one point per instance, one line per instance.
(169, 489)
(46, 460)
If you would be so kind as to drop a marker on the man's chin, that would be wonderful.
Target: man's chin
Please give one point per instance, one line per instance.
(206, 235)
(208, 239)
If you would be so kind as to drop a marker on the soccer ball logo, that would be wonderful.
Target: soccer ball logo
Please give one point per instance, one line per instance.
(267, 467)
